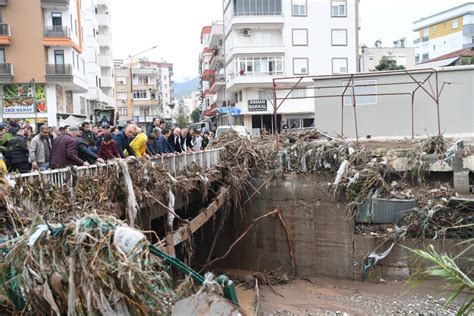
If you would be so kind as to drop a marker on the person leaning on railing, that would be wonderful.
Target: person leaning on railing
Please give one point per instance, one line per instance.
(64, 152)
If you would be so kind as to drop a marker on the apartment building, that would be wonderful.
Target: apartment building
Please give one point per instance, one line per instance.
(265, 39)
(144, 90)
(211, 68)
(50, 55)
(444, 32)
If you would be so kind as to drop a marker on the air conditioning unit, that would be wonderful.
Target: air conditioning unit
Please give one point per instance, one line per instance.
(246, 32)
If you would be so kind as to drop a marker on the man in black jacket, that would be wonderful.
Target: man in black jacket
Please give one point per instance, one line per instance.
(85, 153)
(18, 151)
(175, 140)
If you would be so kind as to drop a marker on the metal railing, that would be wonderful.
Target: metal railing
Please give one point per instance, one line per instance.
(57, 31)
(6, 69)
(55, 2)
(5, 29)
(174, 165)
(258, 13)
(59, 69)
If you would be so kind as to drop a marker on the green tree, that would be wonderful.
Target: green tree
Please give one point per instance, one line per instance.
(467, 61)
(196, 115)
(181, 121)
(388, 63)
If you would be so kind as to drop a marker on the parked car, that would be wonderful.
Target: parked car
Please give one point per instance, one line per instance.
(239, 129)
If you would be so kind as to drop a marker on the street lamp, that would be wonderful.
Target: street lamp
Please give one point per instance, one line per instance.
(131, 74)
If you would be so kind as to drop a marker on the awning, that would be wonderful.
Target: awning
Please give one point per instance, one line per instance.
(229, 110)
(439, 63)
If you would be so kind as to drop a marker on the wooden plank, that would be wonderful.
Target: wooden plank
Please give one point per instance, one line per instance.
(183, 233)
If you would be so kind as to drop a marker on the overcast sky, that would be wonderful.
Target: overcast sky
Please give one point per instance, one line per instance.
(175, 26)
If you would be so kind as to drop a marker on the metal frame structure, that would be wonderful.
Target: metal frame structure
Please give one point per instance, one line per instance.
(434, 93)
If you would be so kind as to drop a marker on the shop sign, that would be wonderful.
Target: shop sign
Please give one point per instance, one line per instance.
(18, 99)
(257, 105)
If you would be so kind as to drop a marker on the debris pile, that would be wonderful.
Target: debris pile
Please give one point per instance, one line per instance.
(88, 266)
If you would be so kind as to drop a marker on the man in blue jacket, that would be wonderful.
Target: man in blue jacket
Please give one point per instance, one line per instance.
(123, 140)
(164, 146)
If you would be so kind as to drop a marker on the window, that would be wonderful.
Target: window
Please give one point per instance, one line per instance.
(123, 111)
(300, 37)
(256, 7)
(365, 92)
(426, 35)
(258, 66)
(455, 24)
(121, 80)
(75, 27)
(73, 59)
(434, 29)
(339, 37)
(265, 94)
(143, 80)
(338, 8)
(298, 8)
(425, 57)
(402, 60)
(299, 93)
(339, 65)
(145, 110)
(2, 56)
(139, 94)
(122, 95)
(240, 96)
(57, 19)
(300, 66)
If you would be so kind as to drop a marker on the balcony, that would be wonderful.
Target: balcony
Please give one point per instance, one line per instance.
(3, 2)
(59, 72)
(55, 3)
(107, 82)
(103, 19)
(468, 29)
(237, 82)
(57, 32)
(104, 40)
(106, 61)
(6, 73)
(5, 34)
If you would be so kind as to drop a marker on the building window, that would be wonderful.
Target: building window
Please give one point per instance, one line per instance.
(299, 93)
(240, 96)
(455, 24)
(339, 37)
(426, 35)
(298, 8)
(143, 80)
(300, 66)
(300, 37)
(425, 57)
(339, 65)
(338, 8)
(144, 110)
(256, 7)
(122, 95)
(434, 29)
(2, 56)
(139, 94)
(258, 66)
(123, 111)
(121, 80)
(365, 92)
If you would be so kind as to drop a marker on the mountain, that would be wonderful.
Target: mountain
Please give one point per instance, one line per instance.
(182, 89)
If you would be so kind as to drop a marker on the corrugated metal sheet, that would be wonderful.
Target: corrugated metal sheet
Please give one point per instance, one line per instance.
(383, 211)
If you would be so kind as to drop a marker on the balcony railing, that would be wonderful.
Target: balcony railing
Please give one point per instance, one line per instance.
(5, 29)
(57, 31)
(3, 2)
(257, 13)
(55, 2)
(6, 70)
(59, 70)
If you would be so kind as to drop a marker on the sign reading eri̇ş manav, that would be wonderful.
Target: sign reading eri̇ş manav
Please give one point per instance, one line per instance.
(18, 99)
(257, 105)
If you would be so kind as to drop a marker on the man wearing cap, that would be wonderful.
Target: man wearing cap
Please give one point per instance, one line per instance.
(64, 152)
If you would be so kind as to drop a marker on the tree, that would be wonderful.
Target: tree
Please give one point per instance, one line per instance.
(181, 117)
(467, 61)
(196, 115)
(388, 63)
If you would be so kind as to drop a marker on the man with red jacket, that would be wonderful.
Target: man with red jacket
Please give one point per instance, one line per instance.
(64, 151)
(108, 148)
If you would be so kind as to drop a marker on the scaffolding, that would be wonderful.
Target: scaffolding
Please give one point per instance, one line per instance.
(307, 82)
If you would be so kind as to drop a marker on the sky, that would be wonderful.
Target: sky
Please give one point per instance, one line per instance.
(174, 26)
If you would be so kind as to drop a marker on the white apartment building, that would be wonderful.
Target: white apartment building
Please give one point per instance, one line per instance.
(445, 32)
(370, 57)
(265, 39)
(211, 68)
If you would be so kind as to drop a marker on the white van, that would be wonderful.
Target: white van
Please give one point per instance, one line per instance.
(240, 129)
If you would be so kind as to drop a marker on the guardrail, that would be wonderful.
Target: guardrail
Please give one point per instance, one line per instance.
(175, 165)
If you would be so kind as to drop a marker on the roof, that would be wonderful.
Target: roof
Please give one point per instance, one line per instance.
(467, 52)
(438, 63)
(445, 11)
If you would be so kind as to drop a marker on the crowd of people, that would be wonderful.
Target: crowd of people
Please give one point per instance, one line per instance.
(54, 148)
